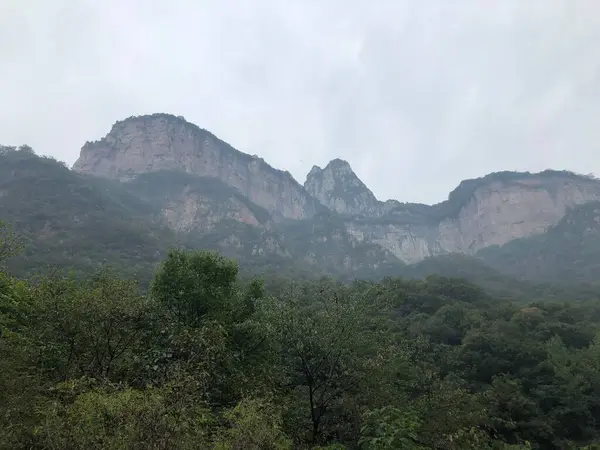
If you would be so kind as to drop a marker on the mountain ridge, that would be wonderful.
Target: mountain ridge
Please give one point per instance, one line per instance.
(195, 190)
(491, 210)
(164, 142)
(466, 184)
(82, 223)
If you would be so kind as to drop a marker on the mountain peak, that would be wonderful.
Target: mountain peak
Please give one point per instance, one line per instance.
(339, 164)
(168, 143)
(339, 189)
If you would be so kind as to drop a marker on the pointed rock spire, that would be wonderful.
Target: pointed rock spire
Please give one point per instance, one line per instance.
(339, 189)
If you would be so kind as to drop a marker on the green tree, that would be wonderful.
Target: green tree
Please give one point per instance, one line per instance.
(196, 285)
(81, 416)
(98, 328)
(253, 424)
(211, 337)
(19, 387)
(333, 351)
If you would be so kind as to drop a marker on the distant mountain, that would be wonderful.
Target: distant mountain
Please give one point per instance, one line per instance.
(567, 252)
(339, 189)
(158, 181)
(67, 219)
(162, 142)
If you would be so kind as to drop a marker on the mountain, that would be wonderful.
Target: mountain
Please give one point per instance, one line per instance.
(65, 218)
(492, 210)
(161, 142)
(339, 189)
(570, 250)
(158, 181)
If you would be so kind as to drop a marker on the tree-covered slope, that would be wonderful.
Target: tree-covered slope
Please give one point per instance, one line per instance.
(66, 219)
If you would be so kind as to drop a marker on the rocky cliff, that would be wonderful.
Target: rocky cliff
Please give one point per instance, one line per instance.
(493, 210)
(489, 211)
(339, 189)
(190, 203)
(162, 142)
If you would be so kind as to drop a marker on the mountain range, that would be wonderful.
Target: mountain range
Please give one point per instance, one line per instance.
(159, 181)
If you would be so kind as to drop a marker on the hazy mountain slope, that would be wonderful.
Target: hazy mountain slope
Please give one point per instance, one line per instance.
(68, 219)
(189, 202)
(568, 252)
(159, 181)
(496, 282)
(78, 221)
(492, 210)
(163, 142)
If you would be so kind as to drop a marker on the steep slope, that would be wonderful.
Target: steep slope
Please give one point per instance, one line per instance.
(492, 210)
(66, 219)
(568, 252)
(191, 203)
(489, 211)
(162, 142)
(81, 222)
(324, 242)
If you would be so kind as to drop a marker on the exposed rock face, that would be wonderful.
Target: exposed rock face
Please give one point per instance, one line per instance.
(196, 212)
(494, 213)
(338, 188)
(163, 142)
(492, 210)
(190, 203)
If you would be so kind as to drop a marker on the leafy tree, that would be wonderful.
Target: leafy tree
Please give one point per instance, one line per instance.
(253, 425)
(98, 328)
(114, 418)
(19, 387)
(196, 286)
(330, 349)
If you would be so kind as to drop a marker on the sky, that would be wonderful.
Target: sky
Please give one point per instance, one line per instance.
(416, 95)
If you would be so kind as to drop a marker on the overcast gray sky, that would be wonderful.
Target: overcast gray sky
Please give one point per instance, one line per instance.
(416, 94)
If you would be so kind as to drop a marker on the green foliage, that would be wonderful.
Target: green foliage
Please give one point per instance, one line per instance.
(205, 360)
(114, 418)
(18, 386)
(194, 286)
(253, 425)
(390, 428)
(333, 351)
(94, 329)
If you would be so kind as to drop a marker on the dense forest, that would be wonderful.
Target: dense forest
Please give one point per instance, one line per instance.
(204, 358)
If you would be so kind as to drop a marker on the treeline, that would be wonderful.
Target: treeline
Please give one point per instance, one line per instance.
(204, 360)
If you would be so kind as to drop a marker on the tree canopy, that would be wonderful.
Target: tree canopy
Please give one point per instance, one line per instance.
(207, 360)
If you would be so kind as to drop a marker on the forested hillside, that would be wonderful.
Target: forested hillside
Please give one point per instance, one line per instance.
(205, 360)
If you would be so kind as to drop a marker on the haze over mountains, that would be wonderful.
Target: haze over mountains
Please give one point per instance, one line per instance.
(156, 181)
